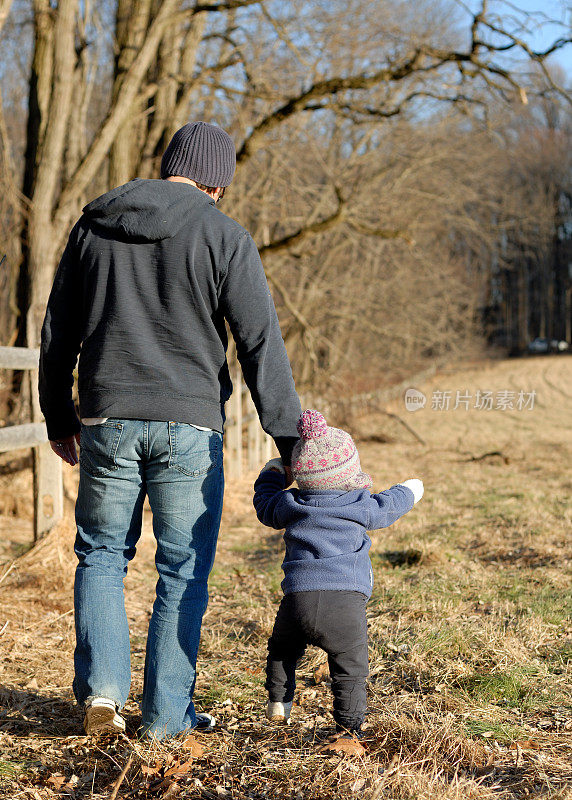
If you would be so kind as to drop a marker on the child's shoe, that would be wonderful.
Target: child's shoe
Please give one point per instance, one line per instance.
(278, 712)
(101, 717)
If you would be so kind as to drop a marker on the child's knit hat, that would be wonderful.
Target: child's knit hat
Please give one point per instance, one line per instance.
(326, 458)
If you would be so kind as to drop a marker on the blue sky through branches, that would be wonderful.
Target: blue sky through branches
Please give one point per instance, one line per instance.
(540, 33)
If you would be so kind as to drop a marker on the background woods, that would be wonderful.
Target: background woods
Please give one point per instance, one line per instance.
(406, 173)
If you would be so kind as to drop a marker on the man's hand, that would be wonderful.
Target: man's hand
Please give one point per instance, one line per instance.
(65, 449)
(288, 473)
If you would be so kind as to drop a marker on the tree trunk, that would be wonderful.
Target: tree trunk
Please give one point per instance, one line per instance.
(523, 312)
(132, 24)
(174, 79)
(49, 150)
(38, 107)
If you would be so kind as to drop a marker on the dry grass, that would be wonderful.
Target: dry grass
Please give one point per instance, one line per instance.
(470, 629)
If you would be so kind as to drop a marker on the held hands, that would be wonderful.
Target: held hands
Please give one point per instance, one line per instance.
(416, 486)
(65, 449)
(276, 465)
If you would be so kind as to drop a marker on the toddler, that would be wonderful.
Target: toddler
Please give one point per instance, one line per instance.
(328, 577)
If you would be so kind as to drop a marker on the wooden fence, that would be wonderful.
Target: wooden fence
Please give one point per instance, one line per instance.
(47, 466)
(247, 446)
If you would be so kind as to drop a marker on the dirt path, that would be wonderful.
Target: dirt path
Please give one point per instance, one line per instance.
(470, 624)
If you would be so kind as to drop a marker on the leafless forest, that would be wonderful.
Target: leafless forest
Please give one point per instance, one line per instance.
(405, 167)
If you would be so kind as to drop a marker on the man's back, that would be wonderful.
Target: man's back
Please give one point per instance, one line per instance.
(153, 255)
(158, 268)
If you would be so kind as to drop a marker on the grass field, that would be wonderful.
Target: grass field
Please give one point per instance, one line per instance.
(470, 624)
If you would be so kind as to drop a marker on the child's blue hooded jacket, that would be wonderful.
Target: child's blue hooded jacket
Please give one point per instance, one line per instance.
(327, 546)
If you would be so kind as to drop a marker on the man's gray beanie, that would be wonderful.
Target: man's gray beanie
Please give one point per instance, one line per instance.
(202, 152)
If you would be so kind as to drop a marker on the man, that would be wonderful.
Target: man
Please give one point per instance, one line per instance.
(149, 275)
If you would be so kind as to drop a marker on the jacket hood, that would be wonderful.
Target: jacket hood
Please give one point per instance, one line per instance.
(146, 210)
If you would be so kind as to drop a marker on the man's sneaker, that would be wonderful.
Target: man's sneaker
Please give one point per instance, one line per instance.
(278, 712)
(101, 717)
(205, 723)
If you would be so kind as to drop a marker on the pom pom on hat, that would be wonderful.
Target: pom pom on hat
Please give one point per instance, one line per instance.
(311, 425)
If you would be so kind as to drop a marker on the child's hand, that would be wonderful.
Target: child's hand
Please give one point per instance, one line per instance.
(274, 465)
(416, 487)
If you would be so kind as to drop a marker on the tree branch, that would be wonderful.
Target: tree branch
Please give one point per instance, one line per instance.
(381, 233)
(226, 6)
(353, 111)
(52, 146)
(323, 89)
(304, 101)
(315, 227)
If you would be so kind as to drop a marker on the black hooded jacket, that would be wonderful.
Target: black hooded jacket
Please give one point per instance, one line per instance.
(149, 275)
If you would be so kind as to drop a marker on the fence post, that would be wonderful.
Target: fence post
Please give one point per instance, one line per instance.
(235, 438)
(267, 447)
(47, 472)
(254, 435)
(48, 489)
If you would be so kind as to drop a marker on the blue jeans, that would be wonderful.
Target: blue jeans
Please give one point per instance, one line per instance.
(180, 469)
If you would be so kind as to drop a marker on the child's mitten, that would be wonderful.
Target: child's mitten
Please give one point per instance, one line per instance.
(416, 487)
(276, 464)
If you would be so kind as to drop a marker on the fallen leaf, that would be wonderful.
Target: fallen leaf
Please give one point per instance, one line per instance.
(194, 747)
(147, 769)
(180, 769)
(343, 745)
(56, 780)
(525, 744)
(321, 672)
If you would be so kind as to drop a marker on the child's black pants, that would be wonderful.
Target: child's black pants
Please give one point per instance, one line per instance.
(336, 622)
